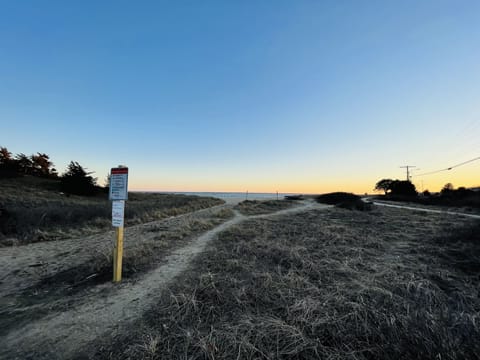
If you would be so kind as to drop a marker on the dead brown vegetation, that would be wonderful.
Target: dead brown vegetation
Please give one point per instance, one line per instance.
(66, 279)
(32, 210)
(257, 207)
(385, 284)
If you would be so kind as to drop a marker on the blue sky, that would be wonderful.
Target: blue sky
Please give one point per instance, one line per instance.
(295, 96)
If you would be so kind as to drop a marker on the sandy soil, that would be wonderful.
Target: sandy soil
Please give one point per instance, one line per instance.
(104, 310)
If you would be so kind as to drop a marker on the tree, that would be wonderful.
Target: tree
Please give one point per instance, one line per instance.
(41, 164)
(447, 189)
(403, 188)
(76, 180)
(384, 185)
(396, 187)
(24, 163)
(5, 155)
(7, 163)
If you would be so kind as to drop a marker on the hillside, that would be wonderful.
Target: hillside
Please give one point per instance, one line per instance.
(33, 209)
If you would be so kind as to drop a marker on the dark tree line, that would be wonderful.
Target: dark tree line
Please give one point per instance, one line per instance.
(448, 191)
(75, 180)
(38, 164)
(448, 196)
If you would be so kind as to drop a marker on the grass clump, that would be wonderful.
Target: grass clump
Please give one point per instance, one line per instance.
(323, 285)
(344, 200)
(257, 207)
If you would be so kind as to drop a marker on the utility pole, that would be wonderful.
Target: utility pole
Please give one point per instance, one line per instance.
(408, 167)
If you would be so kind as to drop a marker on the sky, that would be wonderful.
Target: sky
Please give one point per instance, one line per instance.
(265, 96)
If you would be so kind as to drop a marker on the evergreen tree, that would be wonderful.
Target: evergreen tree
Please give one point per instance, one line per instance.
(76, 180)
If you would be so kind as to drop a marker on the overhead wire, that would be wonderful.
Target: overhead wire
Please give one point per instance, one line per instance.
(450, 167)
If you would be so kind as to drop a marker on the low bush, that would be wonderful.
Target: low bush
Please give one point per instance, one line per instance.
(344, 200)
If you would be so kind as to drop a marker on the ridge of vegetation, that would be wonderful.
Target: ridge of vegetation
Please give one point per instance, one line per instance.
(403, 190)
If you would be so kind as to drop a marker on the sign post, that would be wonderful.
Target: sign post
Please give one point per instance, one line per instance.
(118, 194)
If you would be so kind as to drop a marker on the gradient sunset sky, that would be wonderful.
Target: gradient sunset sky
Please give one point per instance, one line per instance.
(295, 96)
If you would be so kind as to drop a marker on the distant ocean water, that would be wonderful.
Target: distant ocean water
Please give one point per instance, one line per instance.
(237, 195)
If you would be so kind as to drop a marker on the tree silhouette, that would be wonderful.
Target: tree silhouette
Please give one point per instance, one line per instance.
(384, 185)
(76, 180)
(447, 189)
(5, 155)
(23, 163)
(7, 163)
(403, 188)
(396, 187)
(41, 164)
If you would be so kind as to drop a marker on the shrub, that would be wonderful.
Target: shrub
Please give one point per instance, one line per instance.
(344, 200)
(77, 181)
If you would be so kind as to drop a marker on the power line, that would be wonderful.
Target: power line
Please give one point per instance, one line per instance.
(450, 167)
(408, 172)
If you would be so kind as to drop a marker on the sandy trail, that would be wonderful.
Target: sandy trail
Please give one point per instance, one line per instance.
(65, 334)
(23, 266)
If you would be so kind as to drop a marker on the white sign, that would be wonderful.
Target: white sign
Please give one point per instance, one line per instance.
(118, 213)
(119, 184)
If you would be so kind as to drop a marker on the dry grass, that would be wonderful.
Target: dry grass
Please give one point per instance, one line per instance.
(257, 207)
(32, 210)
(71, 285)
(385, 284)
(146, 251)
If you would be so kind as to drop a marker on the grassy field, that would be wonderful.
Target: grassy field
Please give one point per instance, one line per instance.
(256, 207)
(33, 210)
(336, 284)
(66, 273)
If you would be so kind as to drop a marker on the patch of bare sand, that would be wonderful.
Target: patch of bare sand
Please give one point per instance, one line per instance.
(65, 334)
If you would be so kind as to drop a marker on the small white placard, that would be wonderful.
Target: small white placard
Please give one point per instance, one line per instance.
(118, 213)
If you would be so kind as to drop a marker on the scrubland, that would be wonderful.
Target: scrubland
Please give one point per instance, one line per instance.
(33, 209)
(283, 280)
(336, 284)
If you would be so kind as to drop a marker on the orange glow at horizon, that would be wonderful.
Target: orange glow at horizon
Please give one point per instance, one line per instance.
(359, 185)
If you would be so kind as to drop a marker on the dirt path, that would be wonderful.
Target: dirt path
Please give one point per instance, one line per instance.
(23, 266)
(65, 334)
(426, 210)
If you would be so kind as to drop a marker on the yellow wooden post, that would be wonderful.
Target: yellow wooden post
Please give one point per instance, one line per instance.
(118, 195)
(118, 255)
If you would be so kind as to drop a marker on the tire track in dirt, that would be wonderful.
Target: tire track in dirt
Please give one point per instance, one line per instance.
(65, 334)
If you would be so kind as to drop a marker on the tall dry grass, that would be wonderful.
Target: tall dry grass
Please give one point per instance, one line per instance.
(32, 210)
(385, 284)
(70, 285)
(257, 207)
